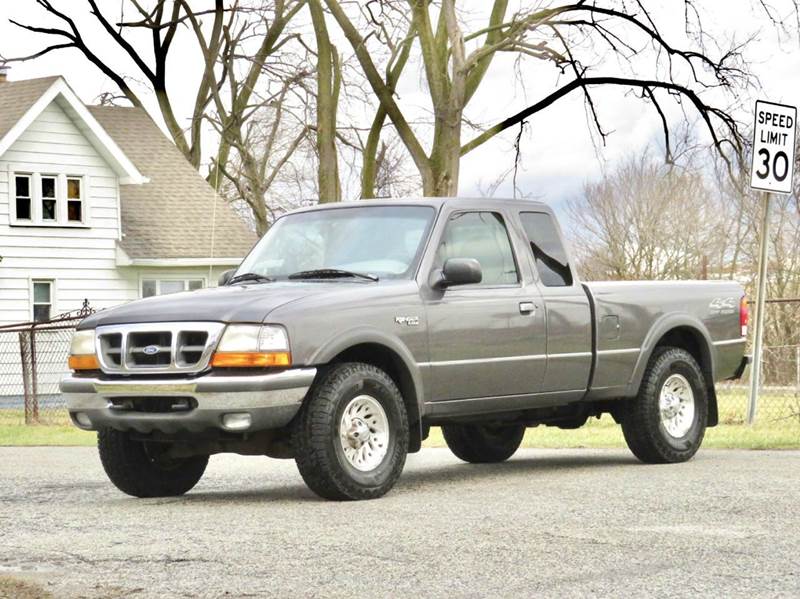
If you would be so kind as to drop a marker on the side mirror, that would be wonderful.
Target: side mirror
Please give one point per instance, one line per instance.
(225, 277)
(459, 271)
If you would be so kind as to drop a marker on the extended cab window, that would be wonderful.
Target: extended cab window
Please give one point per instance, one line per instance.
(548, 251)
(482, 236)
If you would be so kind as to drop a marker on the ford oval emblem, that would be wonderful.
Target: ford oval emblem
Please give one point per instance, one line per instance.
(150, 350)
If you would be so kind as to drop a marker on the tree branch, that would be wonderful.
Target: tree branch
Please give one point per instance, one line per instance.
(706, 112)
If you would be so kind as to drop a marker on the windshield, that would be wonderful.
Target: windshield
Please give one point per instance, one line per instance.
(385, 241)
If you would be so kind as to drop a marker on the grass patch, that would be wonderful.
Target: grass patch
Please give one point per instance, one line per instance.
(42, 434)
(777, 427)
(605, 433)
(602, 433)
(14, 431)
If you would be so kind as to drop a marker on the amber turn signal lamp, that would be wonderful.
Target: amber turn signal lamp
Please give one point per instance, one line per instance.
(251, 359)
(84, 362)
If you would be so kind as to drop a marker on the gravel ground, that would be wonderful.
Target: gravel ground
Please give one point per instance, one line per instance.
(547, 523)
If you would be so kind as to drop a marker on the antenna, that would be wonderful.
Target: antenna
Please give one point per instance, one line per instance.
(214, 217)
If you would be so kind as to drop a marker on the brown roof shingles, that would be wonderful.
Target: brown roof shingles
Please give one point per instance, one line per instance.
(17, 97)
(171, 215)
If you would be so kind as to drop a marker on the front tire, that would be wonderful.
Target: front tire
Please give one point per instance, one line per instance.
(350, 438)
(483, 444)
(138, 468)
(666, 422)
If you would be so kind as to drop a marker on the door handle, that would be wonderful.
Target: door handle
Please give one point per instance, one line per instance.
(527, 307)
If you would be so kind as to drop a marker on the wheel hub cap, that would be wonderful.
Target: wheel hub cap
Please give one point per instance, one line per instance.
(364, 433)
(357, 434)
(676, 405)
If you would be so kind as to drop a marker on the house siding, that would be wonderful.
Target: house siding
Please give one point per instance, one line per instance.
(81, 261)
(77, 259)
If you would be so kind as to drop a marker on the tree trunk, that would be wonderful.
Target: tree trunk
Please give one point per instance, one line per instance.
(446, 150)
(328, 83)
(369, 166)
(259, 207)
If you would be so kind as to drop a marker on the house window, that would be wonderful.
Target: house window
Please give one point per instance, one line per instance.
(151, 287)
(49, 198)
(42, 300)
(74, 200)
(23, 196)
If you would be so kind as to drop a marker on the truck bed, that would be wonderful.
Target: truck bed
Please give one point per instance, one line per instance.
(631, 316)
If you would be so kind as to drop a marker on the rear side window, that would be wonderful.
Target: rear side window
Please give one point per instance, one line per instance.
(548, 251)
(482, 236)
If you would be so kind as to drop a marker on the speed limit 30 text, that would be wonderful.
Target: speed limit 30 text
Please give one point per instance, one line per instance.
(771, 121)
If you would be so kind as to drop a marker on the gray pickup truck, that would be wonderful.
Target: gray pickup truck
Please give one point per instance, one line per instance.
(351, 329)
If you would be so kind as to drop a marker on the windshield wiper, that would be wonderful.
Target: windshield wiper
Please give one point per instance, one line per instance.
(331, 273)
(249, 276)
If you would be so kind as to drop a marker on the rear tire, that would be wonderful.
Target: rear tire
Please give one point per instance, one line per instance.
(483, 444)
(135, 467)
(350, 438)
(666, 422)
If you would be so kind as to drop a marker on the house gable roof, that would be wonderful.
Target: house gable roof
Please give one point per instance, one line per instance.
(176, 215)
(22, 101)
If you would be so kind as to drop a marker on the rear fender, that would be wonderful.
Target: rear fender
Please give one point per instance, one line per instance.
(660, 328)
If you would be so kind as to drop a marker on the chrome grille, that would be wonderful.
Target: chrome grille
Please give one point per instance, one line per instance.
(157, 347)
(150, 348)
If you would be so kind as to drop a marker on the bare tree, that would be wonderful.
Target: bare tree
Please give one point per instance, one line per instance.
(439, 168)
(261, 127)
(261, 149)
(592, 43)
(329, 82)
(392, 27)
(217, 30)
(646, 220)
(391, 177)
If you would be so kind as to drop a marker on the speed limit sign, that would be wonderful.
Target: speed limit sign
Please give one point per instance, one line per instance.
(773, 147)
(771, 171)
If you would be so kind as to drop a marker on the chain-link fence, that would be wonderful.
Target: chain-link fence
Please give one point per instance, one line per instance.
(33, 359)
(778, 402)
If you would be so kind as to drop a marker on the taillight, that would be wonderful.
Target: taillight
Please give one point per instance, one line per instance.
(744, 315)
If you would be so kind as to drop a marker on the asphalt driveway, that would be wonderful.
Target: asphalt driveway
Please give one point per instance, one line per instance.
(547, 523)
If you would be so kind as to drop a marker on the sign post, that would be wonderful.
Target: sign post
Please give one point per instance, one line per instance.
(772, 171)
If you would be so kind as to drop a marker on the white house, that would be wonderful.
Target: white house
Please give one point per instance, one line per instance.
(96, 203)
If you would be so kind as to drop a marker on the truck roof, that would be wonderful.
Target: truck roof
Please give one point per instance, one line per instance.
(433, 202)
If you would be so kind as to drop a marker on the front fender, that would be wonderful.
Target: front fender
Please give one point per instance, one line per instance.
(361, 335)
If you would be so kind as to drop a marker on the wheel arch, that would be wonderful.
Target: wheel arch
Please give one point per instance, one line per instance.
(687, 333)
(391, 356)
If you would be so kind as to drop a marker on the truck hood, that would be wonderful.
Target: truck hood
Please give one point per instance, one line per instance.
(237, 303)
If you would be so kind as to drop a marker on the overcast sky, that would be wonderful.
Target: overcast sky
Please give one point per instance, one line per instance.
(558, 153)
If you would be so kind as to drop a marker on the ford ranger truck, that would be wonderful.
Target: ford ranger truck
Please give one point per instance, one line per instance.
(351, 329)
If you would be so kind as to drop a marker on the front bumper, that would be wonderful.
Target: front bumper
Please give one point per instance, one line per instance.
(270, 400)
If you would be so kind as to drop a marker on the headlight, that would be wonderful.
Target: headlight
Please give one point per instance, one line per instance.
(82, 354)
(248, 345)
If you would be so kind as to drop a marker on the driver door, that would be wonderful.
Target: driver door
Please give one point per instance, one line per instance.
(485, 339)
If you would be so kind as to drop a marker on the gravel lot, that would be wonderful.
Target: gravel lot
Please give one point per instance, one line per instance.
(548, 522)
